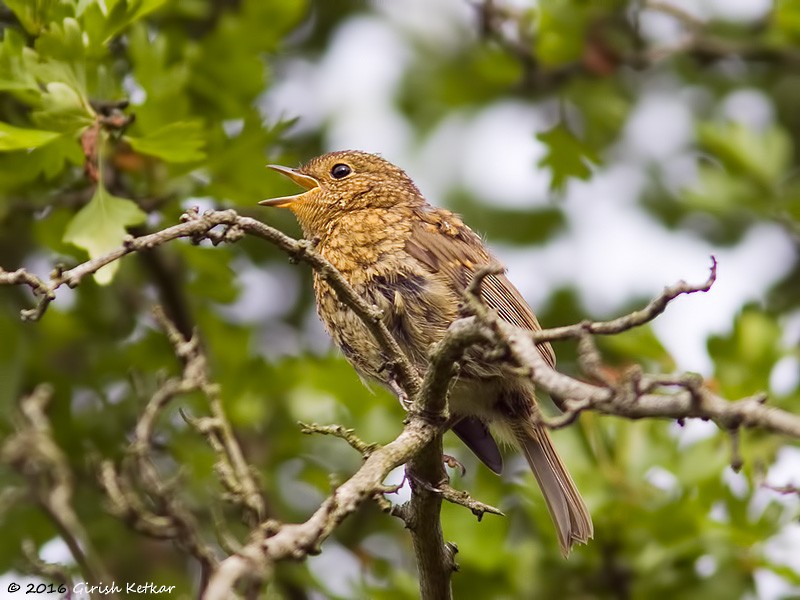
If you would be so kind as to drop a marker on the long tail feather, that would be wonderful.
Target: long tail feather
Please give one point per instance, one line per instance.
(567, 509)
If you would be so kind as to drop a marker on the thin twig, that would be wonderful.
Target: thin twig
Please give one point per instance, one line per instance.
(33, 452)
(635, 319)
(199, 227)
(235, 472)
(347, 435)
(462, 498)
(49, 571)
(637, 395)
(294, 541)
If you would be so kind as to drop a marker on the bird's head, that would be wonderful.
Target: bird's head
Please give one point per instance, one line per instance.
(341, 182)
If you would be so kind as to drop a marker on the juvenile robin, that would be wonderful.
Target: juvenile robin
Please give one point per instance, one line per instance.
(414, 261)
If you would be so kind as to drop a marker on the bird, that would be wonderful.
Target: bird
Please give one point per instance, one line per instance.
(414, 261)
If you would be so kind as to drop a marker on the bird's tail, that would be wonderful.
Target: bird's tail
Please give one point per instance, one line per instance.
(567, 509)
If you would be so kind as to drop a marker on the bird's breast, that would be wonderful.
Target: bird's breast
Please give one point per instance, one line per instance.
(363, 244)
(417, 308)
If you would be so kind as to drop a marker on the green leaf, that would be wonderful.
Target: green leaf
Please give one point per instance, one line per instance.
(163, 79)
(34, 16)
(567, 156)
(743, 359)
(25, 11)
(18, 138)
(510, 225)
(14, 74)
(763, 156)
(559, 32)
(176, 142)
(604, 105)
(82, 5)
(212, 275)
(18, 169)
(639, 344)
(786, 16)
(104, 20)
(61, 55)
(63, 109)
(721, 192)
(702, 461)
(791, 201)
(137, 9)
(236, 165)
(99, 227)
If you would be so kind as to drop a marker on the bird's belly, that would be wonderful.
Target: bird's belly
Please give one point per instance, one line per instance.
(351, 336)
(493, 399)
(473, 398)
(411, 313)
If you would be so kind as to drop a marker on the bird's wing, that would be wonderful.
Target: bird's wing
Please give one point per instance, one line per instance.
(445, 245)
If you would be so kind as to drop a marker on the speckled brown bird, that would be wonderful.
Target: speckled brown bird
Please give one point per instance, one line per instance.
(414, 261)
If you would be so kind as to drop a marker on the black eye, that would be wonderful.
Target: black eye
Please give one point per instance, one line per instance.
(340, 171)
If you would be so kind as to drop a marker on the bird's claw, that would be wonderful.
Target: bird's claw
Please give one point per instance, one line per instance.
(454, 463)
(401, 394)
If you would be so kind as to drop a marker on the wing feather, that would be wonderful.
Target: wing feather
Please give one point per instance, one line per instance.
(445, 245)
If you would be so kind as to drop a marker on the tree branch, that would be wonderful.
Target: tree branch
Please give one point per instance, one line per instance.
(635, 319)
(170, 519)
(514, 31)
(232, 467)
(199, 227)
(637, 395)
(347, 435)
(45, 570)
(33, 452)
(295, 541)
(428, 404)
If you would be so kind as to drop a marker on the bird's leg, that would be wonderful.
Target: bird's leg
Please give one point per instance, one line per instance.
(401, 394)
(449, 461)
(391, 379)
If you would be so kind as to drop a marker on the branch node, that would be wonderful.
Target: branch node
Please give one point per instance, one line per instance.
(190, 214)
(233, 233)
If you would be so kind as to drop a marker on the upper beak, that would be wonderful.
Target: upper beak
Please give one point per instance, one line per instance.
(308, 182)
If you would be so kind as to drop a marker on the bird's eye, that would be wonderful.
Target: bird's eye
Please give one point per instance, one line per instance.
(340, 171)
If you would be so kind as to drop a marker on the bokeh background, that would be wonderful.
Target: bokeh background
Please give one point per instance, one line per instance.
(604, 150)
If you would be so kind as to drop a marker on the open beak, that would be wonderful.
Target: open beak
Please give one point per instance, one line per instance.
(306, 181)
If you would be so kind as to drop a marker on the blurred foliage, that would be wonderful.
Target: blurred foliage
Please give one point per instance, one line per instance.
(671, 519)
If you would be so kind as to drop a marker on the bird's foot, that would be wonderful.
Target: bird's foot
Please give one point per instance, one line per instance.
(454, 463)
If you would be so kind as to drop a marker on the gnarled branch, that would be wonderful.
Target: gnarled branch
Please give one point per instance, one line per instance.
(636, 395)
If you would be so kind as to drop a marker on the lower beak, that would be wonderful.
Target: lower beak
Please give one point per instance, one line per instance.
(306, 181)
